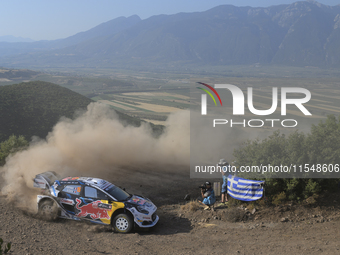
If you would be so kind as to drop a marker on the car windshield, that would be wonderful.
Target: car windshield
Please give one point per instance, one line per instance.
(117, 193)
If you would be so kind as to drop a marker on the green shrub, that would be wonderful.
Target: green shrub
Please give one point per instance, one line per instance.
(279, 198)
(11, 145)
(311, 188)
(6, 249)
(319, 147)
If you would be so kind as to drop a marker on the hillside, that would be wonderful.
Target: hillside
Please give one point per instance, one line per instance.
(304, 33)
(33, 108)
(107, 28)
(6, 73)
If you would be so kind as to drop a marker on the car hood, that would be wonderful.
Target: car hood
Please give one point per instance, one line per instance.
(140, 201)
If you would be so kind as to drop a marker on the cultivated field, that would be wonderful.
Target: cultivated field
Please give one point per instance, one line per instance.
(300, 228)
(150, 106)
(152, 96)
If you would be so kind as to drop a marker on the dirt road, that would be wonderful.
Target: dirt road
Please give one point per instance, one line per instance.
(290, 229)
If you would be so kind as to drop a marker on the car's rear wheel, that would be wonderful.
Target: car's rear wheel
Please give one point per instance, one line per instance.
(48, 210)
(122, 223)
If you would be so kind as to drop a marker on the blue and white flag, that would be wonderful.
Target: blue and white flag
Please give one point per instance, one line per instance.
(243, 189)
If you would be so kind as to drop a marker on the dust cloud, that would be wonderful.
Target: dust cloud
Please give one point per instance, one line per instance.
(94, 142)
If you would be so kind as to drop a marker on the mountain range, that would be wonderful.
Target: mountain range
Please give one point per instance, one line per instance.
(304, 33)
(11, 38)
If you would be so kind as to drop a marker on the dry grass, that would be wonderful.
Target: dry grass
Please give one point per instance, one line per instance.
(251, 206)
(324, 108)
(191, 206)
(158, 108)
(117, 105)
(143, 106)
(156, 94)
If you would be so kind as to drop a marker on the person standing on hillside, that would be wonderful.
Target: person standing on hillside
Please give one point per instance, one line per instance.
(224, 195)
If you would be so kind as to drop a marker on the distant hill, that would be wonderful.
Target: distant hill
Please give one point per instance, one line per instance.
(108, 28)
(304, 33)
(111, 27)
(11, 38)
(33, 108)
(6, 73)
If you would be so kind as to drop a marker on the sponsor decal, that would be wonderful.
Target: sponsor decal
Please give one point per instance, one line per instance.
(109, 187)
(72, 189)
(70, 178)
(67, 201)
(105, 185)
(94, 210)
(138, 201)
(105, 206)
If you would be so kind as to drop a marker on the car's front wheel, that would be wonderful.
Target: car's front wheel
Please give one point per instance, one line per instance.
(48, 210)
(122, 223)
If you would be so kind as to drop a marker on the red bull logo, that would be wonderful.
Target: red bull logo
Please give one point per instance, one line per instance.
(93, 210)
(138, 201)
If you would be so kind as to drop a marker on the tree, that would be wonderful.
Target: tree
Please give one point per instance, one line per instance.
(324, 142)
(6, 248)
(320, 146)
(12, 145)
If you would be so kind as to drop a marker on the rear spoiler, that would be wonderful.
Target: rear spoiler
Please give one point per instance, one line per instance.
(45, 180)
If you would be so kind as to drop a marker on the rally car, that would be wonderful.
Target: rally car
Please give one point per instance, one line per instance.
(94, 200)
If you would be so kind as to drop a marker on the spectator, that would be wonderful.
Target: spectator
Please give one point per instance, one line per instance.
(224, 195)
(208, 195)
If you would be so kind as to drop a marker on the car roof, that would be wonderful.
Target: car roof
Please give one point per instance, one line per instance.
(97, 182)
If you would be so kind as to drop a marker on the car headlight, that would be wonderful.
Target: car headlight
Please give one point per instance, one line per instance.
(142, 210)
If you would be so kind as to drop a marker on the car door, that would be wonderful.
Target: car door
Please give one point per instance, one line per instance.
(94, 206)
(67, 197)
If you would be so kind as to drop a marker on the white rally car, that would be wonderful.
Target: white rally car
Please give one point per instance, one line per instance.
(94, 200)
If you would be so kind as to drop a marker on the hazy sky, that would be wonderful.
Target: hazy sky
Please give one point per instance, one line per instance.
(56, 19)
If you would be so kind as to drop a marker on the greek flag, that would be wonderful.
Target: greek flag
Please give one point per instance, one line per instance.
(243, 189)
